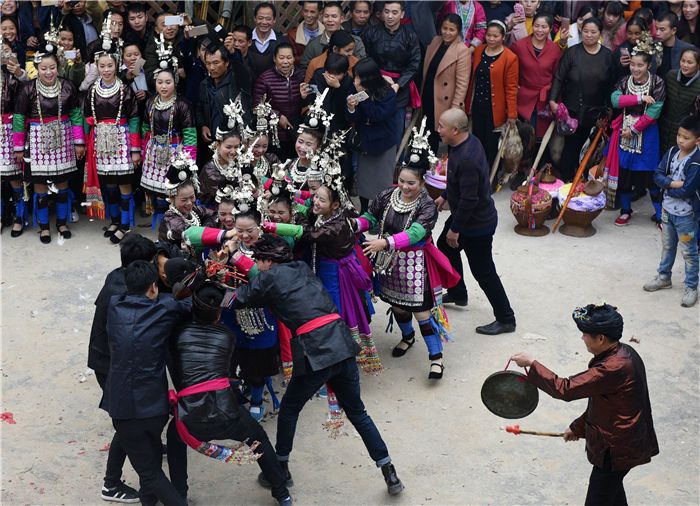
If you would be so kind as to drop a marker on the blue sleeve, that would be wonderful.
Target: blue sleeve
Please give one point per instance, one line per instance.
(379, 111)
(691, 183)
(660, 178)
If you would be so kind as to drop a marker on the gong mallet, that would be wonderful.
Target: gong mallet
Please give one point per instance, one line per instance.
(516, 430)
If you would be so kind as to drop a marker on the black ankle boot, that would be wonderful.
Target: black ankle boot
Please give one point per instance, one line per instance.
(263, 481)
(393, 484)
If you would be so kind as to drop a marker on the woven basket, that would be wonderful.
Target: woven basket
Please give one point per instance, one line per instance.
(541, 203)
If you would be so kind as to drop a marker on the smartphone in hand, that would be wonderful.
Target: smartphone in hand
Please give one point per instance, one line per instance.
(174, 20)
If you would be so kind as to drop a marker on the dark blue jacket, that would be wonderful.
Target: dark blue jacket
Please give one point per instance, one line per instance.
(469, 190)
(139, 331)
(374, 120)
(690, 191)
(98, 350)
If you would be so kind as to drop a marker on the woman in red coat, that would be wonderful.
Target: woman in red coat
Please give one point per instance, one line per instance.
(493, 89)
(538, 58)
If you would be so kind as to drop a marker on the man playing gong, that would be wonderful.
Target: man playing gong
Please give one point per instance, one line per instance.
(617, 424)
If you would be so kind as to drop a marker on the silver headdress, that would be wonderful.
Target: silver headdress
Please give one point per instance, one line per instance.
(166, 59)
(266, 122)
(182, 169)
(242, 196)
(420, 148)
(647, 45)
(109, 46)
(234, 112)
(317, 116)
(50, 46)
(327, 162)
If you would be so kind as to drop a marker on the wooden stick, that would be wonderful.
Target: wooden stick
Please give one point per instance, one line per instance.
(591, 148)
(543, 146)
(516, 430)
(499, 154)
(414, 118)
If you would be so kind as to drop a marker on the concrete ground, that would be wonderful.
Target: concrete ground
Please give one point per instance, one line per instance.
(446, 446)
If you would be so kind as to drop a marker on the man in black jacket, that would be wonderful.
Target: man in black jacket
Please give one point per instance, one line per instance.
(228, 78)
(132, 247)
(323, 349)
(201, 352)
(265, 38)
(396, 49)
(473, 221)
(139, 325)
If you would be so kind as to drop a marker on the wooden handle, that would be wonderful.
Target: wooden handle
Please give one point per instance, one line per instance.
(499, 154)
(538, 433)
(579, 173)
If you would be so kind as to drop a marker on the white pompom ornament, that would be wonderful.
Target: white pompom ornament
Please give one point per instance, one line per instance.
(49, 48)
(313, 122)
(243, 207)
(163, 64)
(275, 190)
(182, 175)
(415, 158)
(106, 45)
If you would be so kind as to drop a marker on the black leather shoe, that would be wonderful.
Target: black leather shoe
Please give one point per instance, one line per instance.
(393, 484)
(262, 480)
(449, 299)
(495, 328)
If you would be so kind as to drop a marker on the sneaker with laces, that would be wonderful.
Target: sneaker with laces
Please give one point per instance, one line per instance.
(623, 220)
(257, 412)
(658, 283)
(121, 493)
(690, 297)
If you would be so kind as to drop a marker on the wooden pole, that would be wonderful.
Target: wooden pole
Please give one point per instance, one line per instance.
(516, 430)
(584, 163)
(499, 155)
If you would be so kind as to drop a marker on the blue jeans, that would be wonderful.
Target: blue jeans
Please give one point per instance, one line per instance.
(680, 230)
(344, 379)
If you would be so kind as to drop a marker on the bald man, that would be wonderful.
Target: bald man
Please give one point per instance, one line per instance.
(473, 221)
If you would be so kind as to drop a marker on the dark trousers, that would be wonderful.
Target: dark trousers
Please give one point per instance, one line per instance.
(116, 455)
(605, 486)
(141, 440)
(344, 379)
(480, 258)
(243, 429)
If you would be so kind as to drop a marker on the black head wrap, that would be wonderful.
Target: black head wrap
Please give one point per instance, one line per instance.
(272, 248)
(177, 269)
(599, 319)
(206, 302)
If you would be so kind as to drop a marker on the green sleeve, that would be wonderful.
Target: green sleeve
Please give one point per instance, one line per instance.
(18, 122)
(615, 98)
(253, 272)
(134, 125)
(416, 233)
(289, 230)
(145, 128)
(301, 209)
(373, 222)
(189, 136)
(654, 110)
(76, 117)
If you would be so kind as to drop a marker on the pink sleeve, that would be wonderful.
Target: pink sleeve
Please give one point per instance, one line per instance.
(135, 141)
(299, 200)
(191, 150)
(628, 101)
(244, 263)
(401, 240)
(304, 194)
(362, 224)
(18, 139)
(78, 134)
(267, 184)
(479, 33)
(269, 226)
(643, 123)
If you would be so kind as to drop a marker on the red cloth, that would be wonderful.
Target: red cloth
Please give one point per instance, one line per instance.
(412, 88)
(199, 388)
(317, 323)
(93, 193)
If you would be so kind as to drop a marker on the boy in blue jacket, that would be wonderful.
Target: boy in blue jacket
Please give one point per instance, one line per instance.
(678, 176)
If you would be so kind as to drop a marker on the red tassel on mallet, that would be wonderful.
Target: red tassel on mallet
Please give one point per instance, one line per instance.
(516, 430)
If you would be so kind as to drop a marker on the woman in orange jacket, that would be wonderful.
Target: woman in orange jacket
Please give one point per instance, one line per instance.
(492, 98)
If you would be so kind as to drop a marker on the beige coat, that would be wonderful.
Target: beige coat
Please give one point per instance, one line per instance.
(452, 76)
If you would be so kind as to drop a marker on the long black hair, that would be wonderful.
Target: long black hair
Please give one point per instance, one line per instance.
(371, 78)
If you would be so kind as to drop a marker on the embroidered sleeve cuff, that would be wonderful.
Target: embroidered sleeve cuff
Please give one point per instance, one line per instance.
(401, 240)
(362, 224)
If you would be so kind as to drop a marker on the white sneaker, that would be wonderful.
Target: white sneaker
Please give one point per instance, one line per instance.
(690, 297)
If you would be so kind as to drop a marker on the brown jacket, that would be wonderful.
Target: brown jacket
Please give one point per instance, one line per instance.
(504, 85)
(452, 76)
(296, 37)
(618, 417)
